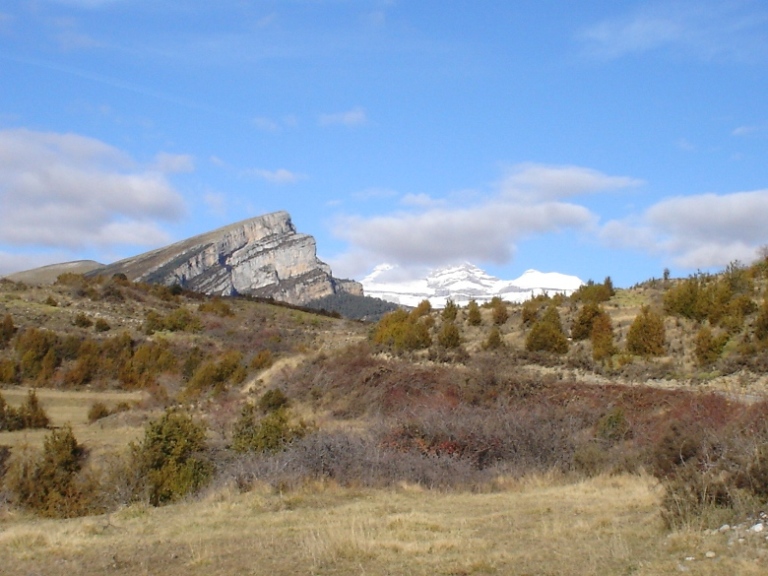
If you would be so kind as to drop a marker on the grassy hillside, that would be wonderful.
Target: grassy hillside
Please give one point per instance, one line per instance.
(348, 441)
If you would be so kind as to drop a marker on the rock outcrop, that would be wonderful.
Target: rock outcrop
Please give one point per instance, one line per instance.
(263, 256)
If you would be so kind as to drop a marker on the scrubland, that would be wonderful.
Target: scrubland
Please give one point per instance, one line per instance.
(612, 432)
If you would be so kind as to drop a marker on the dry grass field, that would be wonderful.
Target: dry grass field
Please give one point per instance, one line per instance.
(69, 407)
(536, 526)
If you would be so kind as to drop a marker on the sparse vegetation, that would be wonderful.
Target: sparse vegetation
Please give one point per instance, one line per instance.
(415, 400)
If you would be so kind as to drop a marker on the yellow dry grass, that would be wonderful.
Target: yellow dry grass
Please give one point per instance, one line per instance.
(606, 525)
(71, 408)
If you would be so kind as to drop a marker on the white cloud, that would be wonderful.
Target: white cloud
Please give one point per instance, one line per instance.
(354, 117)
(374, 194)
(475, 228)
(744, 130)
(266, 124)
(67, 191)
(421, 200)
(701, 231)
(279, 176)
(170, 163)
(538, 182)
(705, 29)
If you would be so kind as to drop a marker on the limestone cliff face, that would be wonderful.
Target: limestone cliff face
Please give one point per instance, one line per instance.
(262, 256)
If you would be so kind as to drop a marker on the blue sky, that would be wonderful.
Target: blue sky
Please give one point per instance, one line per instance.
(590, 138)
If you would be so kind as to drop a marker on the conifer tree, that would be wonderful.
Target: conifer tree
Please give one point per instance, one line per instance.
(450, 311)
(449, 335)
(474, 317)
(547, 334)
(601, 337)
(647, 336)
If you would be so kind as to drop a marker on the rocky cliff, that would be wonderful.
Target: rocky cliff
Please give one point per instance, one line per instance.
(262, 256)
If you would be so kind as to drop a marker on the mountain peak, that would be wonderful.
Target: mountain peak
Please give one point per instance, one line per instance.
(462, 283)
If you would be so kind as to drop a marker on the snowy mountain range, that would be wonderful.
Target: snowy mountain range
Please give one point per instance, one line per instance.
(463, 283)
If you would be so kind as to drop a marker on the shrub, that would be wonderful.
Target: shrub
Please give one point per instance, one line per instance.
(97, 411)
(646, 336)
(500, 314)
(602, 337)
(449, 335)
(582, 325)
(169, 458)
(9, 418)
(450, 311)
(82, 321)
(494, 340)
(474, 318)
(216, 306)
(547, 334)
(51, 301)
(400, 332)
(270, 434)
(594, 293)
(273, 400)
(32, 346)
(32, 413)
(7, 330)
(50, 484)
(530, 312)
(102, 325)
(262, 359)
(214, 375)
(707, 347)
(424, 308)
(9, 373)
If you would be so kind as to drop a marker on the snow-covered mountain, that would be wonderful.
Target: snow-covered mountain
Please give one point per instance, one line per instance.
(463, 283)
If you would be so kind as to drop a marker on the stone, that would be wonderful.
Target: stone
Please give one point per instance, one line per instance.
(263, 256)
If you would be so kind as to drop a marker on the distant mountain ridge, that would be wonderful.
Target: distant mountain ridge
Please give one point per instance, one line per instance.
(462, 283)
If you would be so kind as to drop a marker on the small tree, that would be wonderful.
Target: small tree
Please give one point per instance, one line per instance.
(169, 457)
(582, 325)
(450, 311)
(494, 341)
(547, 334)
(424, 307)
(449, 335)
(707, 347)
(49, 483)
(270, 434)
(32, 414)
(647, 336)
(474, 318)
(7, 329)
(500, 313)
(400, 332)
(601, 337)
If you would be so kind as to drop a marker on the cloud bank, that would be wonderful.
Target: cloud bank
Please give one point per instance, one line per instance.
(700, 231)
(68, 192)
(528, 201)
